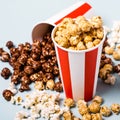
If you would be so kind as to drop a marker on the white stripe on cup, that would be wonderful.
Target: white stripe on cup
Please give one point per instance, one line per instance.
(65, 12)
(77, 62)
(97, 68)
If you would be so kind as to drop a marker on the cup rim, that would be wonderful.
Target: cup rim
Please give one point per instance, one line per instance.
(77, 51)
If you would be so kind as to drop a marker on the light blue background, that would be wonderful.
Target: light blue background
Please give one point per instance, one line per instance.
(17, 19)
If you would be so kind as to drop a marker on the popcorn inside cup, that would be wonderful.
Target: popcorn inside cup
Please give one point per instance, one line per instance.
(79, 33)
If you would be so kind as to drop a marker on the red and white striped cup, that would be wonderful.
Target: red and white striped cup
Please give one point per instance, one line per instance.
(79, 69)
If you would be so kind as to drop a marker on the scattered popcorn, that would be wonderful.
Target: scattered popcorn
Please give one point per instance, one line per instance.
(69, 102)
(82, 107)
(109, 50)
(116, 55)
(111, 79)
(96, 116)
(43, 104)
(97, 99)
(115, 108)
(105, 111)
(94, 107)
(87, 116)
(39, 85)
(16, 100)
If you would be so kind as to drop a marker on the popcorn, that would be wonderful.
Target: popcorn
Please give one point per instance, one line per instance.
(12, 88)
(69, 102)
(79, 33)
(114, 41)
(21, 115)
(16, 100)
(115, 108)
(39, 85)
(105, 111)
(43, 104)
(94, 107)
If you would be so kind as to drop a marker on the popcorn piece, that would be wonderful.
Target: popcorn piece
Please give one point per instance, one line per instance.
(18, 100)
(96, 21)
(89, 45)
(87, 117)
(82, 107)
(116, 55)
(107, 69)
(105, 111)
(111, 79)
(21, 115)
(81, 46)
(96, 116)
(115, 108)
(109, 50)
(69, 102)
(96, 42)
(50, 84)
(87, 39)
(94, 107)
(67, 115)
(12, 88)
(98, 99)
(39, 85)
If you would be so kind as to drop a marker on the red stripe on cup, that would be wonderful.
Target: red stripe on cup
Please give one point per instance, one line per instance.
(77, 12)
(65, 72)
(90, 68)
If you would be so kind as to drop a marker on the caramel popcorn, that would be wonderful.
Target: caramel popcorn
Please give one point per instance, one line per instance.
(116, 55)
(87, 117)
(96, 116)
(67, 115)
(82, 107)
(79, 33)
(69, 102)
(97, 99)
(109, 50)
(105, 111)
(115, 108)
(94, 107)
(39, 85)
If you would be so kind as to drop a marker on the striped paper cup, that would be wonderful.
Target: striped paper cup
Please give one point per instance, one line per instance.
(79, 69)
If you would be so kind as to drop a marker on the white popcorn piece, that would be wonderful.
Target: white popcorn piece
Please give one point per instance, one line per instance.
(110, 80)
(19, 100)
(21, 115)
(13, 100)
(114, 34)
(12, 88)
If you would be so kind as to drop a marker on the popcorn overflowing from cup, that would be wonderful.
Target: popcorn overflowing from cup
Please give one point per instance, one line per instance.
(79, 33)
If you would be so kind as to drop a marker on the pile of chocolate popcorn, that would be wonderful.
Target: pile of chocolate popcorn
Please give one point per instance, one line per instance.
(31, 63)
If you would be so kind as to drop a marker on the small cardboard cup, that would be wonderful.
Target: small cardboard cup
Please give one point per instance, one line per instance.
(41, 29)
(79, 69)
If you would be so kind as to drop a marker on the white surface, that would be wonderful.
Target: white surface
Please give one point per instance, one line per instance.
(17, 19)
